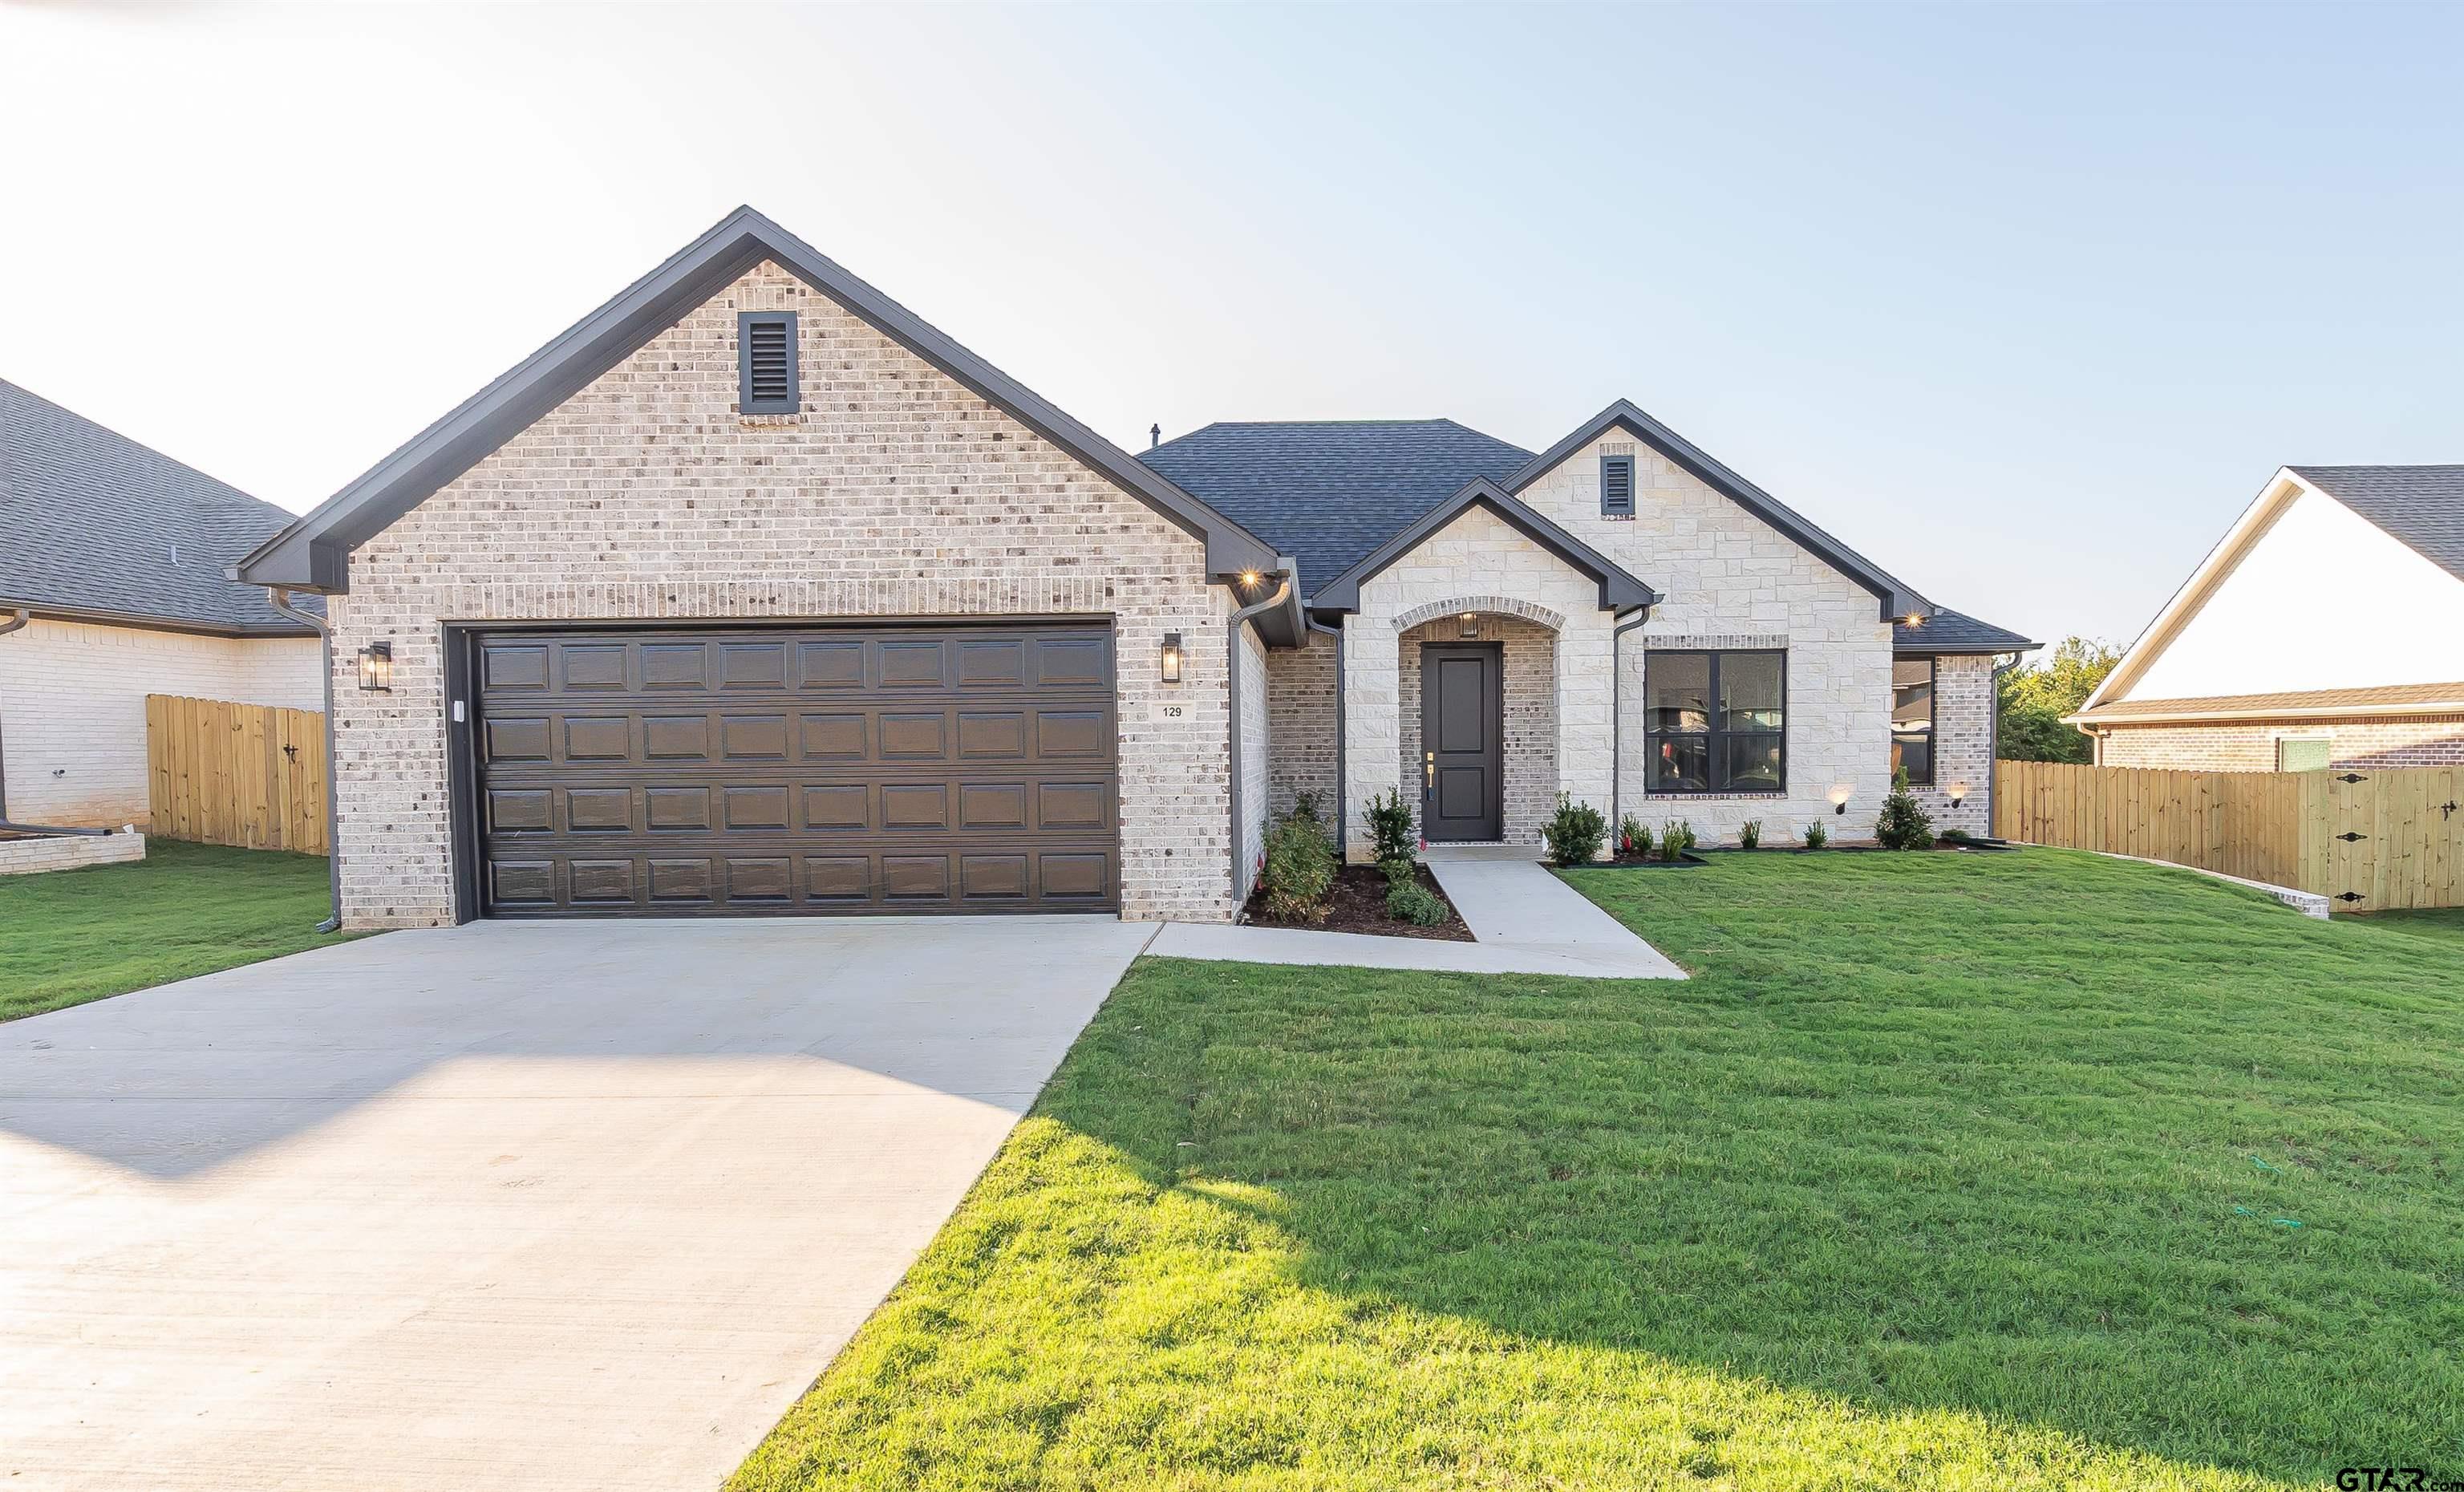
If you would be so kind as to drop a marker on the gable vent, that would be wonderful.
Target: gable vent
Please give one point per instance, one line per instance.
(766, 358)
(1617, 487)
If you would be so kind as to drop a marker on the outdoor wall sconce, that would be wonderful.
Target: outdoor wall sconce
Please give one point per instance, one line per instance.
(1840, 800)
(1957, 792)
(1172, 657)
(376, 668)
(1471, 624)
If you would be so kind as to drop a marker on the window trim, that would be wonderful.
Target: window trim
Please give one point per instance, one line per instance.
(1715, 737)
(1933, 714)
(745, 402)
(1606, 462)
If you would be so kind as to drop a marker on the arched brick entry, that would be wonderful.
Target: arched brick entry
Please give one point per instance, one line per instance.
(1506, 605)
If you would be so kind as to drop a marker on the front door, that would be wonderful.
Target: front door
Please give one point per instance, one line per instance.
(1462, 758)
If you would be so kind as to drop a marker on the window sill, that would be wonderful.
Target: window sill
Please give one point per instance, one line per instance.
(1711, 793)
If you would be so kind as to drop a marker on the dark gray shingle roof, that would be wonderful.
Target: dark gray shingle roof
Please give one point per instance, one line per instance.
(90, 521)
(1948, 631)
(1327, 491)
(2423, 506)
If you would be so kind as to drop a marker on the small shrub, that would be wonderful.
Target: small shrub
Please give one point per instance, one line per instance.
(1750, 834)
(1633, 839)
(1307, 805)
(1398, 871)
(1816, 835)
(1676, 837)
(1409, 901)
(1955, 836)
(1390, 826)
(1577, 833)
(1902, 825)
(1300, 869)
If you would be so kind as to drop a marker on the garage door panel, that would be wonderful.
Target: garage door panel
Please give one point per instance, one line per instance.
(889, 768)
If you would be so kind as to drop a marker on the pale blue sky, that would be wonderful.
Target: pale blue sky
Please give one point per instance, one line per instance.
(2023, 303)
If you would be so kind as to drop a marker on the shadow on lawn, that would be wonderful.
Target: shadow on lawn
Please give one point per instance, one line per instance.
(1966, 1139)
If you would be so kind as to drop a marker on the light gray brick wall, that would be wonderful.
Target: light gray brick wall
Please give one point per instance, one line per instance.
(895, 492)
(1963, 744)
(67, 852)
(1529, 703)
(1299, 714)
(2361, 745)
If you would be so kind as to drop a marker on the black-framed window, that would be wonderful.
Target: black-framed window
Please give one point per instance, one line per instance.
(1717, 722)
(765, 363)
(1912, 718)
(1617, 487)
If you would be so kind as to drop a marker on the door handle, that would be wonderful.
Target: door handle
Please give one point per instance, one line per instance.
(1428, 773)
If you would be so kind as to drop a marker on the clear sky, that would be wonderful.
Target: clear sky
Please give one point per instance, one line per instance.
(2024, 303)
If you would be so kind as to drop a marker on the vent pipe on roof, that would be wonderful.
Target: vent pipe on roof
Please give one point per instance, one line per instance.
(1154, 437)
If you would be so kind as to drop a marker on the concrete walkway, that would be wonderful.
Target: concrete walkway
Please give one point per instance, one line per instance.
(512, 1205)
(1523, 918)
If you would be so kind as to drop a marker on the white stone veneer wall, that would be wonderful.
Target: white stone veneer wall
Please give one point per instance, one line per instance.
(73, 708)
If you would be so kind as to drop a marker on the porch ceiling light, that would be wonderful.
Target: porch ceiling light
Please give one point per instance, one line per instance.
(376, 668)
(1172, 657)
(1249, 580)
(1471, 624)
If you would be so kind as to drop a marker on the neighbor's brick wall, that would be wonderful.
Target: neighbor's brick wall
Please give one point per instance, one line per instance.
(2369, 745)
(1963, 743)
(1733, 580)
(1529, 702)
(1299, 714)
(73, 708)
(895, 492)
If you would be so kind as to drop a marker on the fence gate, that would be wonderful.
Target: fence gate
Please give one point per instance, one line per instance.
(231, 773)
(2384, 840)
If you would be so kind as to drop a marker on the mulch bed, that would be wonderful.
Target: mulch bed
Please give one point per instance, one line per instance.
(1358, 905)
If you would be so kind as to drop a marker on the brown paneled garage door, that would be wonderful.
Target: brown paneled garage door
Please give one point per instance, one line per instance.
(865, 769)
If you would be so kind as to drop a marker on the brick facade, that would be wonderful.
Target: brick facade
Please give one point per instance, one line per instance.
(36, 855)
(1529, 704)
(1300, 723)
(1963, 743)
(2363, 745)
(1257, 758)
(895, 492)
(72, 705)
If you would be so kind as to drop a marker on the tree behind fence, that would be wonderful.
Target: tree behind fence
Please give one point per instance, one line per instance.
(230, 773)
(2371, 840)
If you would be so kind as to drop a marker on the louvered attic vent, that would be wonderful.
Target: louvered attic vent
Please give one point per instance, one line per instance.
(1617, 487)
(766, 362)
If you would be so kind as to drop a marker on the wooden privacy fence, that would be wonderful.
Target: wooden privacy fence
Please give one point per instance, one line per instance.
(230, 773)
(2370, 841)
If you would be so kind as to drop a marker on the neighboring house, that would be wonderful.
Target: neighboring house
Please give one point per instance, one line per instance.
(752, 592)
(2326, 629)
(111, 588)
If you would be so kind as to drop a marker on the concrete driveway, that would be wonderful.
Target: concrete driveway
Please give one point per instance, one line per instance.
(510, 1205)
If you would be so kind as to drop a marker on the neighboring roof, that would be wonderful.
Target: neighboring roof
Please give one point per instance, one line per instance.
(2421, 506)
(314, 553)
(1897, 600)
(1618, 589)
(2382, 699)
(1327, 491)
(1948, 631)
(93, 525)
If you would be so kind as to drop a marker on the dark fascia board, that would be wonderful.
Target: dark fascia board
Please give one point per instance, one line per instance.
(314, 552)
(1923, 649)
(1619, 591)
(1897, 600)
(95, 616)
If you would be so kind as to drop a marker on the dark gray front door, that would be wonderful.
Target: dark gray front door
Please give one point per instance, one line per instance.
(1462, 758)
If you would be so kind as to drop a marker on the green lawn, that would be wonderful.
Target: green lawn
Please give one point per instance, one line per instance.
(1946, 1170)
(2445, 923)
(75, 935)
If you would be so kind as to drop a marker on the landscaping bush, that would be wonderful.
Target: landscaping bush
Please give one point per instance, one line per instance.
(1633, 839)
(1398, 871)
(1750, 834)
(1577, 833)
(1390, 827)
(1304, 805)
(1300, 865)
(1955, 836)
(1409, 901)
(1902, 826)
(1816, 835)
(1676, 837)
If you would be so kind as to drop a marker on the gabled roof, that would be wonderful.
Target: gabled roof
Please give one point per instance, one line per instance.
(1327, 491)
(1897, 600)
(1620, 590)
(2420, 506)
(1948, 631)
(314, 553)
(95, 526)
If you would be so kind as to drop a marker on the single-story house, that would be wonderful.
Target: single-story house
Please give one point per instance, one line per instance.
(112, 587)
(753, 592)
(2257, 665)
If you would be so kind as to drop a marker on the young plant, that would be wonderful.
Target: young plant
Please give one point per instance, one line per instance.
(1633, 839)
(1816, 835)
(1306, 805)
(1576, 833)
(1750, 834)
(1398, 871)
(1674, 834)
(1390, 826)
(1902, 825)
(1300, 869)
(1409, 901)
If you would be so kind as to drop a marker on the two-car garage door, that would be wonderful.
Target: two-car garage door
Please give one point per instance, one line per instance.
(868, 769)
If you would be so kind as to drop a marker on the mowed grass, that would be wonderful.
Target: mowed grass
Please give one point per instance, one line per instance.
(70, 936)
(1946, 1170)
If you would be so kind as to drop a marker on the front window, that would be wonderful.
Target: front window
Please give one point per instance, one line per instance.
(1717, 721)
(1912, 718)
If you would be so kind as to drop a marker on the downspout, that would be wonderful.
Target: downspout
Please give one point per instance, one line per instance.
(278, 597)
(1284, 570)
(1616, 727)
(1994, 743)
(1342, 785)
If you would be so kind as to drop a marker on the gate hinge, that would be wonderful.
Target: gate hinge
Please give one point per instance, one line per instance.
(2349, 836)
(2350, 777)
(2348, 896)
